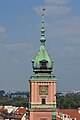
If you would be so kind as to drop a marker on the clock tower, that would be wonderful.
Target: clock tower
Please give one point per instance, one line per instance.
(42, 84)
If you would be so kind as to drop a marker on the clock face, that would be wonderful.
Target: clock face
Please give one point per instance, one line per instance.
(43, 90)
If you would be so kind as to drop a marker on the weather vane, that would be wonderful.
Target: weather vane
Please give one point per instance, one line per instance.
(43, 11)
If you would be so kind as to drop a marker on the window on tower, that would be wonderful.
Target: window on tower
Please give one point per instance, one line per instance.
(43, 64)
(43, 101)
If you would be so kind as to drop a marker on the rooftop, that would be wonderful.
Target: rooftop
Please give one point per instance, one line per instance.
(73, 113)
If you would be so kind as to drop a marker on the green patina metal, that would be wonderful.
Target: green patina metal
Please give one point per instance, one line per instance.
(43, 39)
(54, 113)
(44, 77)
(42, 54)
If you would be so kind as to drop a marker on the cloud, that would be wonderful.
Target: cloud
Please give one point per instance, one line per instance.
(57, 1)
(2, 30)
(3, 34)
(20, 48)
(8, 61)
(17, 46)
(67, 52)
(54, 7)
(2, 61)
(53, 10)
(66, 30)
(16, 53)
(15, 60)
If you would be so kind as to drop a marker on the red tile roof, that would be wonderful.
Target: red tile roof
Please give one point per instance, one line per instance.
(72, 112)
(1, 108)
(22, 110)
(58, 118)
(17, 114)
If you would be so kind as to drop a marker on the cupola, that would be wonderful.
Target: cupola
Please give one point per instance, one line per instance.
(42, 61)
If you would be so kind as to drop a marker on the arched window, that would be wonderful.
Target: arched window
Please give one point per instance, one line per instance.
(43, 64)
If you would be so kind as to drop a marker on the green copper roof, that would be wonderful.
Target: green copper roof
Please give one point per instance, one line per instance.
(44, 77)
(42, 54)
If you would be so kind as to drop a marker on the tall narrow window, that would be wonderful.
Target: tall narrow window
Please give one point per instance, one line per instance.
(43, 101)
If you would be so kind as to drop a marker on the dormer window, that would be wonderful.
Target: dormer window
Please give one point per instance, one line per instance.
(43, 64)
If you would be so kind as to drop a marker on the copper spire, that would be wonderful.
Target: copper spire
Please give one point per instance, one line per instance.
(42, 39)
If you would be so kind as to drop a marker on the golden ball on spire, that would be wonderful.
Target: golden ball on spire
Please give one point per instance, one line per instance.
(43, 11)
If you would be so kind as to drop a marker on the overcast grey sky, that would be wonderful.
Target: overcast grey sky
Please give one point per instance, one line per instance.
(20, 25)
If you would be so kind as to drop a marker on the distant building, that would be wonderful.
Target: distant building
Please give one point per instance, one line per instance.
(68, 114)
(19, 94)
(2, 93)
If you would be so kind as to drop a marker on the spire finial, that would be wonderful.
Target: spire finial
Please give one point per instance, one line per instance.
(43, 11)
(43, 39)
